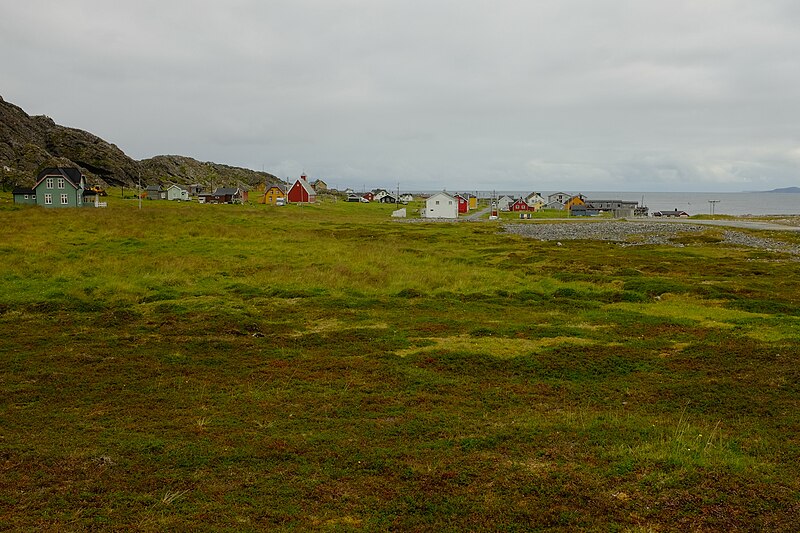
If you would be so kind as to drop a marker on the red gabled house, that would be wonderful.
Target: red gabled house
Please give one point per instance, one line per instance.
(521, 205)
(302, 192)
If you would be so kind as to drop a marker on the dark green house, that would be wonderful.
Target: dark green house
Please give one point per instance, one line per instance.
(59, 187)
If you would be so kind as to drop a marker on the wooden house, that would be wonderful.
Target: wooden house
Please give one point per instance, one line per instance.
(578, 199)
(226, 195)
(377, 194)
(301, 192)
(272, 194)
(441, 205)
(406, 197)
(59, 187)
(535, 200)
(176, 192)
(504, 203)
(520, 205)
(369, 196)
(319, 186)
(473, 201)
(155, 192)
(560, 197)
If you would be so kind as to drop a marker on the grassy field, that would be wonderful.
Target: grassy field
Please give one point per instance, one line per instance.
(191, 367)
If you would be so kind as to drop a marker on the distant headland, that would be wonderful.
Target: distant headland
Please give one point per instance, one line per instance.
(785, 189)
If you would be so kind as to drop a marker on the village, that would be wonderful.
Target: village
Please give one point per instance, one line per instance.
(58, 187)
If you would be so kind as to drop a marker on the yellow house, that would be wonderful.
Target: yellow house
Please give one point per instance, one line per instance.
(473, 202)
(272, 194)
(575, 200)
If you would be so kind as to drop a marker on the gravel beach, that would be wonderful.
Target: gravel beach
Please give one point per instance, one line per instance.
(640, 233)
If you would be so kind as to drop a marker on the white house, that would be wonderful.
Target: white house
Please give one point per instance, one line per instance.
(560, 197)
(535, 200)
(504, 203)
(441, 205)
(378, 194)
(175, 192)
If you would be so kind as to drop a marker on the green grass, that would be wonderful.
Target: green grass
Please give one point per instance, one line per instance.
(324, 367)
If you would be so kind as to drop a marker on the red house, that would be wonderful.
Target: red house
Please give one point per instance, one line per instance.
(521, 205)
(463, 204)
(369, 196)
(302, 192)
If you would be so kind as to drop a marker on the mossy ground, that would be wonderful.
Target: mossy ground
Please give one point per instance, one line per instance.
(324, 367)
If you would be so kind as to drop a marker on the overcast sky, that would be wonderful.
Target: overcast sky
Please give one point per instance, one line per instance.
(628, 95)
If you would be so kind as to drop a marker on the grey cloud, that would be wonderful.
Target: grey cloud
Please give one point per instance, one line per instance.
(611, 94)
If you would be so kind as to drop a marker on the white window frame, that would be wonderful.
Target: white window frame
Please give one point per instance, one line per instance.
(48, 199)
(49, 183)
(60, 183)
(26, 196)
(64, 199)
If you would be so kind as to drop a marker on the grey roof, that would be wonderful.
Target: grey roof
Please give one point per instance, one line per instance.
(23, 190)
(227, 190)
(71, 174)
(308, 188)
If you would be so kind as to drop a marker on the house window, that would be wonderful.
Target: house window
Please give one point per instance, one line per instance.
(26, 196)
(49, 183)
(64, 199)
(48, 199)
(33, 197)
(60, 183)
(437, 202)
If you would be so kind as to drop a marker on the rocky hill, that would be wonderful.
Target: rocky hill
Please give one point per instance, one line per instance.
(30, 143)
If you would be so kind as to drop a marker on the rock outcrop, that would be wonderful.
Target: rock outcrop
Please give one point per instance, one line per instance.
(30, 143)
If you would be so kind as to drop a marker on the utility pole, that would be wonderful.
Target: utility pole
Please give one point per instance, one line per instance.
(140, 189)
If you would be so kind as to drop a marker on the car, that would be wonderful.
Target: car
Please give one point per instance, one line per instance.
(364, 200)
